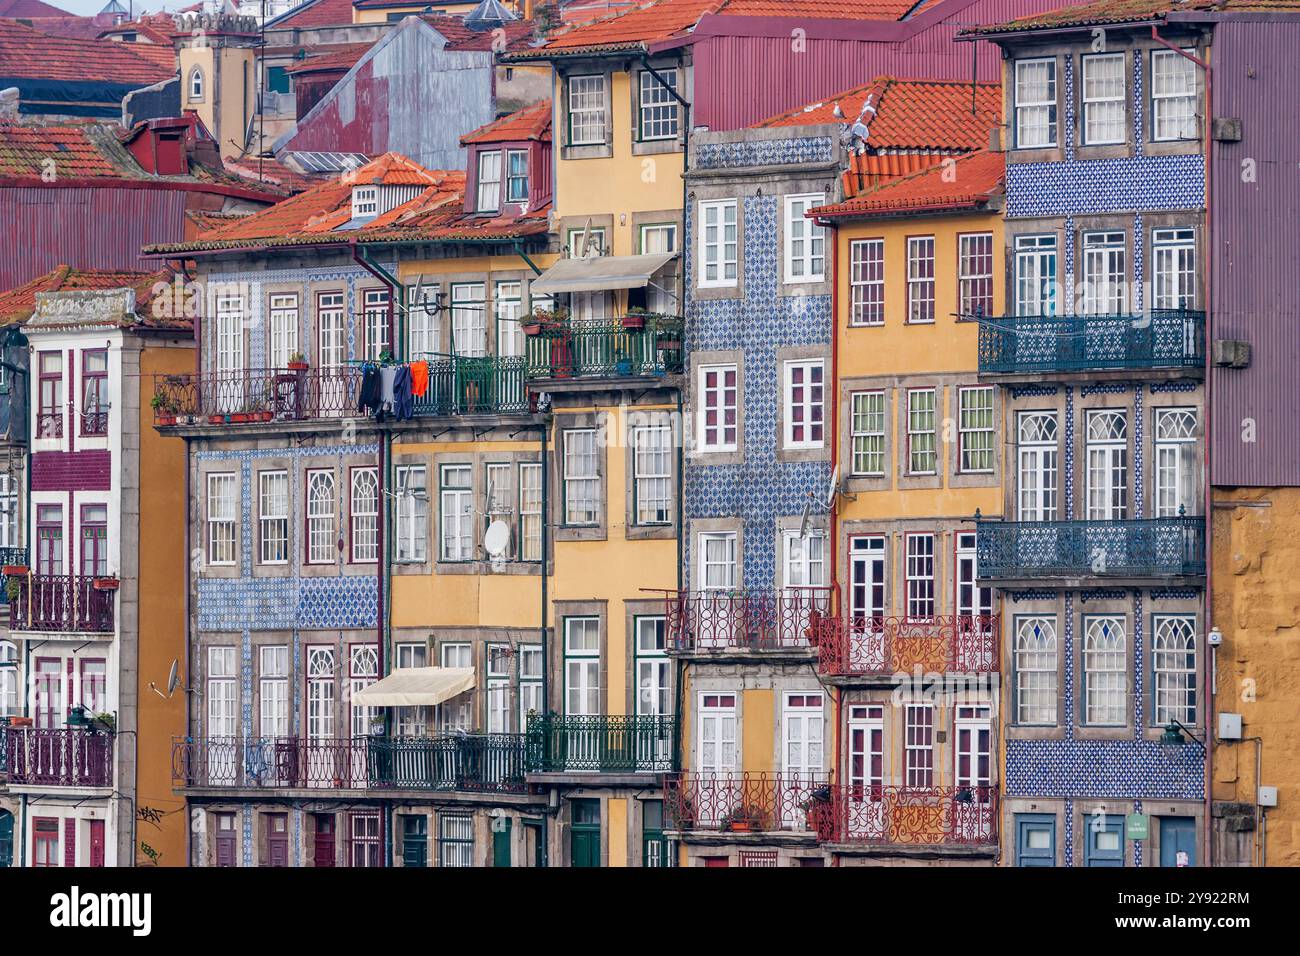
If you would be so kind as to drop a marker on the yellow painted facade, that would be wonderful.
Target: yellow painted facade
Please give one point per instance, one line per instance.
(1255, 543)
(226, 96)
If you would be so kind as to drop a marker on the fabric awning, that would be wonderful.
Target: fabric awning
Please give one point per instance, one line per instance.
(599, 273)
(416, 687)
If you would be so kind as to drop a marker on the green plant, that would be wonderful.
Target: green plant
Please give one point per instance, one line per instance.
(13, 589)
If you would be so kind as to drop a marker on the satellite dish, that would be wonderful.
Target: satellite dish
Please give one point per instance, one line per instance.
(803, 519)
(496, 539)
(172, 679)
(834, 488)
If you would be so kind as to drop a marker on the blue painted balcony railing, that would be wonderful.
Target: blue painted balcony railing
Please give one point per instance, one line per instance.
(1027, 344)
(479, 385)
(1137, 548)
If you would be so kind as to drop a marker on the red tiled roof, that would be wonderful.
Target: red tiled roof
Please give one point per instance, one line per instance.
(341, 58)
(18, 304)
(154, 27)
(315, 216)
(75, 28)
(967, 182)
(518, 34)
(77, 151)
(270, 171)
(30, 8)
(868, 170)
(531, 122)
(664, 19)
(1128, 11)
(315, 13)
(910, 114)
(26, 52)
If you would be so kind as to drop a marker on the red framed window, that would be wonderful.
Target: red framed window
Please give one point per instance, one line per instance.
(45, 841)
(94, 540)
(49, 409)
(49, 693)
(94, 685)
(49, 539)
(94, 392)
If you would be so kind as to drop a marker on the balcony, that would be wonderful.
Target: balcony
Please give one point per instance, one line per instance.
(754, 619)
(483, 385)
(58, 758)
(445, 762)
(70, 603)
(1136, 550)
(586, 350)
(257, 395)
(883, 646)
(744, 802)
(876, 815)
(605, 745)
(1167, 341)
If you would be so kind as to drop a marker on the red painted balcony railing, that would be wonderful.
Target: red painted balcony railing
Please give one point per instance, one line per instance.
(949, 643)
(486, 762)
(60, 602)
(757, 618)
(59, 758)
(742, 802)
(258, 394)
(909, 816)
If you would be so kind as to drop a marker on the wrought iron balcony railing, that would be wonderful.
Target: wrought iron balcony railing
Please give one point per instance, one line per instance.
(744, 802)
(605, 349)
(257, 394)
(753, 618)
(637, 744)
(59, 758)
(60, 602)
(482, 385)
(1164, 339)
(1135, 548)
(472, 762)
(874, 814)
(947, 643)
(4, 748)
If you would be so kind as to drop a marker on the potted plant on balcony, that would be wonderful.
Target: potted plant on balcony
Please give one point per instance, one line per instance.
(744, 818)
(818, 807)
(297, 362)
(164, 408)
(16, 722)
(634, 319)
(544, 320)
(103, 723)
(13, 589)
(15, 570)
(814, 628)
(106, 583)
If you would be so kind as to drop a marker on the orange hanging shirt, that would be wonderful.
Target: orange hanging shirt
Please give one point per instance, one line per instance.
(419, 378)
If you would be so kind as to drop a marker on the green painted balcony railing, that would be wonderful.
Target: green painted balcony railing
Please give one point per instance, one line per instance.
(605, 349)
(1136, 548)
(639, 744)
(480, 385)
(1164, 339)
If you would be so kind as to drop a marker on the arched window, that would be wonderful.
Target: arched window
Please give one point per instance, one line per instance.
(1174, 663)
(1105, 671)
(196, 85)
(1036, 670)
(321, 544)
(365, 515)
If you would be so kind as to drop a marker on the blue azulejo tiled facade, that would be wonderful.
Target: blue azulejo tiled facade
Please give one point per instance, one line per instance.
(1102, 579)
(757, 325)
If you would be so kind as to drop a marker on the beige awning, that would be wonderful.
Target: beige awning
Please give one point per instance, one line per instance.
(416, 687)
(599, 273)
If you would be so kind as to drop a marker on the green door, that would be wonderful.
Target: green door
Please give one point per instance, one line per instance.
(415, 841)
(501, 844)
(6, 839)
(584, 835)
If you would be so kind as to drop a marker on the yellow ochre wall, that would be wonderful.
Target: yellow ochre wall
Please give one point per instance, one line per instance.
(229, 88)
(162, 625)
(1259, 661)
(620, 184)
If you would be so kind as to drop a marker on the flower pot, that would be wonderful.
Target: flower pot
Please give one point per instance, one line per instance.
(740, 826)
(166, 419)
(216, 419)
(264, 415)
(242, 417)
(532, 328)
(15, 570)
(106, 584)
(633, 322)
(670, 345)
(20, 721)
(298, 366)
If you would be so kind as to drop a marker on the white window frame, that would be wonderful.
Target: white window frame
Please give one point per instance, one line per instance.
(1189, 122)
(805, 240)
(1176, 470)
(656, 107)
(511, 177)
(918, 438)
(412, 525)
(365, 202)
(456, 512)
(322, 514)
(223, 518)
(1100, 126)
(363, 530)
(374, 307)
(581, 661)
(582, 477)
(458, 712)
(1038, 457)
(1173, 268)
(530, 511)
(868, 426)
(273, 517)
(652, 473)
(919, 745)
(496, 672)
(1036, 656)
(331, 311)
(808, 398)
(508, 302)
(1026, 106)
(975, 273)
(1105, 273)
(713, 438)
(920, 575)
(718, 253)
(653, 667)
(1173, 666)
(284, 320)
(1035, 274)
(530, 682)
(421, 322)
(1107, 464)
(866, 283)
(487, 195)
(975, 460)
(591, 88)
(1105, 671)
(921, 280)
(273, 691)
(469, 318)
(726, 559)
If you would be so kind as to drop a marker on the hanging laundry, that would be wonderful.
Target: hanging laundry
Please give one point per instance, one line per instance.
(387, 378)
(419, 379)
(368, 398)
(403, 399)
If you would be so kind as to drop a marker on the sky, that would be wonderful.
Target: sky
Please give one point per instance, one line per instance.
(90, 7)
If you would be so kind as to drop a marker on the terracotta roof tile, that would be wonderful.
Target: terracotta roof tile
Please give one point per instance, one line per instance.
(76, 28)
(154, 27)
(315, 13)
(820, 9)
(26, 52)
(338, 58)
(531, 122)
(30, 8)
(77, 151)
(18, 304)
(968, 182)
(518, 34)
(1128, 11)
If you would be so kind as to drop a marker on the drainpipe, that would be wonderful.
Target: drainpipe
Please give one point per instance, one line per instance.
(686, 163)
(187, 683)
(1208, 504)
(545, 835)
(832, 519)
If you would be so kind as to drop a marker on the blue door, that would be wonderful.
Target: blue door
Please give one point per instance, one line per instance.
(1105, 843)
(6, 839)
(1177, 841)
(1035, 839)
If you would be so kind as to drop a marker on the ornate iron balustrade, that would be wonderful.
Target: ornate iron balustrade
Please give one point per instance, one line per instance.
(909, 816)
(258, 394)
(604, 349)
(1164, 339)
(4, 749)
(60, 602)
(740, 801)
(1135, 548)
(474, 762)
(59, 758)
(947, 643)
(635, 744)
(483, 385)
(754, 618)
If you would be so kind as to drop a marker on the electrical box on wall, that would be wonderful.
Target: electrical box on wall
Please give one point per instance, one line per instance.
(1267, 797)
(1230, 726)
